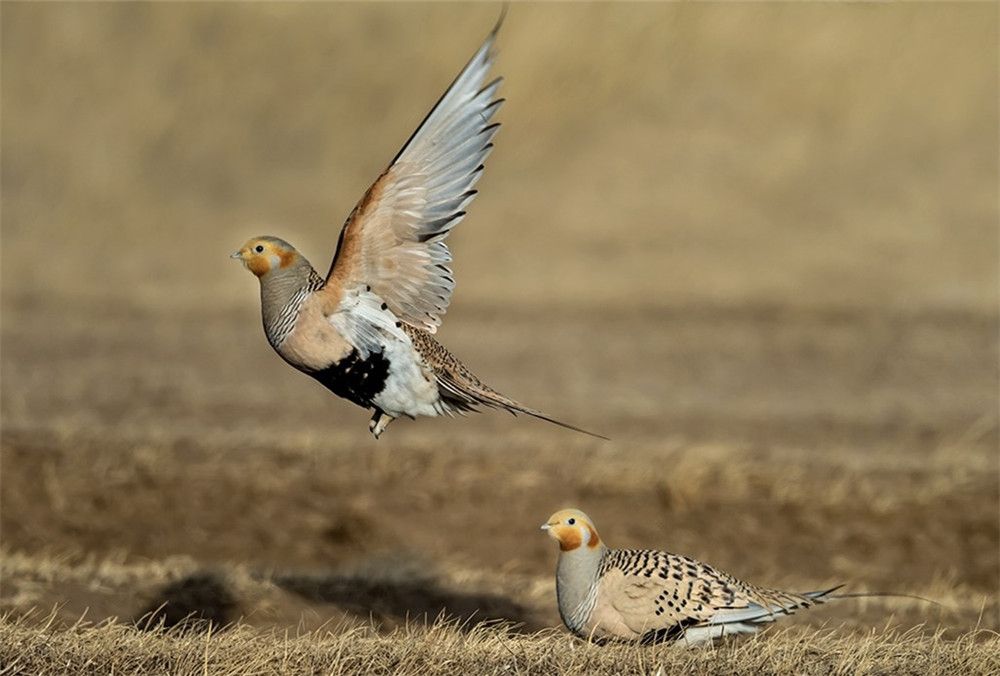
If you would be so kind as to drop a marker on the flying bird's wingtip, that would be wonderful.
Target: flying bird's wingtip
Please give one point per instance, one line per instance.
(499, 23)
(489, 49)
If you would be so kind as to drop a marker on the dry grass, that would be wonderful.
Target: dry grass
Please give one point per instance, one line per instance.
(444, 648)
(755, 245)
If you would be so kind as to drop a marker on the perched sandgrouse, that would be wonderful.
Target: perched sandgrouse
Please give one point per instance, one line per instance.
(365, 331)
(650, 596)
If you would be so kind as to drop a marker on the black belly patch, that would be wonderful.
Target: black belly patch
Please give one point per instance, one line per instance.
(358, 380)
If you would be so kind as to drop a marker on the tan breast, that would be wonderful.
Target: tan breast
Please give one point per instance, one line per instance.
(605, 620)
(313, 343)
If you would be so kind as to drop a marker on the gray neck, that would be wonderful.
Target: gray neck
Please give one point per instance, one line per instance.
(279, 287)
(576, 576)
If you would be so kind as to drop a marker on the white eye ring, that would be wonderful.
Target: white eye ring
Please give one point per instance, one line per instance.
(571, 521)
(259, 249)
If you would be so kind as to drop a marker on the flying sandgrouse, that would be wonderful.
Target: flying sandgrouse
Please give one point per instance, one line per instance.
(365, 330)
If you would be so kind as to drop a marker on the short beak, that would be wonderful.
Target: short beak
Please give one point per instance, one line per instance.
(546, 526)
(236, 254)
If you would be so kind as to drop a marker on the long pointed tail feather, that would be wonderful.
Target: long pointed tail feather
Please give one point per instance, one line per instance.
(740, 620)
(879, 594)
(466, 396)
(462, 391)
(515, 408)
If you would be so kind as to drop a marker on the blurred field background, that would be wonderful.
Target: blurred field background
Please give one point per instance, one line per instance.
(756, 245)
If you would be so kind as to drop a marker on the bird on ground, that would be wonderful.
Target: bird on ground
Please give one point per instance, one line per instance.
(366, 329)
(649, 596)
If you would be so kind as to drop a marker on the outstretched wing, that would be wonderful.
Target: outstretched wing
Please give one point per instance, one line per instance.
(393, 241)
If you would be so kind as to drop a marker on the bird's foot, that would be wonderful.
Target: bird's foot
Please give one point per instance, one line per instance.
(379, 422)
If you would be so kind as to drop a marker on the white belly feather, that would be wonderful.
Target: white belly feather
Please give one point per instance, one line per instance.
(409, 389)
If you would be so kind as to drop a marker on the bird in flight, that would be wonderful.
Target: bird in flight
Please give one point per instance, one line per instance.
(366, 329)
(650, 596)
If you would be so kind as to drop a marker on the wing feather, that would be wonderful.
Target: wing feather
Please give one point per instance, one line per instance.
(393, 241)
(662, 596)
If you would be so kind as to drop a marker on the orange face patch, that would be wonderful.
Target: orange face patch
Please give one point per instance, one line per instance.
(286, 257)
(259, 265)
(569, 538)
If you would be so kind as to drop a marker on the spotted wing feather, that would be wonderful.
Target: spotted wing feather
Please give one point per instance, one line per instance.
(662, 596)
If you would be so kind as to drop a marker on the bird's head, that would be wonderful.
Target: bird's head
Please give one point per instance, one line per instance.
(572, 529)
(261, 255)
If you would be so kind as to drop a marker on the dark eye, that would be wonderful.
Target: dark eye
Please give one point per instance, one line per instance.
(571, 521)
(259, 249)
